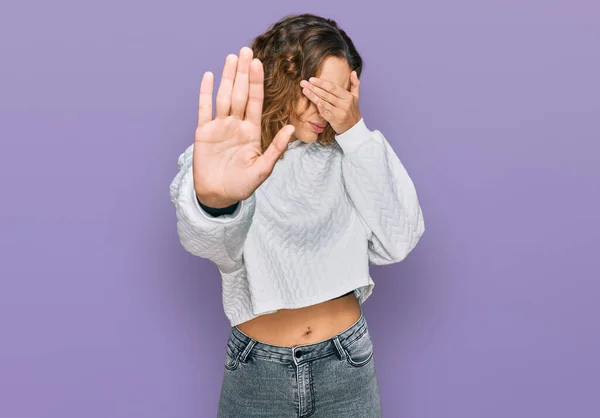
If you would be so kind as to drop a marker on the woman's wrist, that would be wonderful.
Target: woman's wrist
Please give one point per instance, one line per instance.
(217, 209)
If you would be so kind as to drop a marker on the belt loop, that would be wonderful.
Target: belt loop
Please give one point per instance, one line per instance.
(340, 350)
(246, 351)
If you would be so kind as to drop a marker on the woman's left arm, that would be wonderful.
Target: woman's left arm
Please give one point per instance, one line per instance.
(376, 181)
(382, 193)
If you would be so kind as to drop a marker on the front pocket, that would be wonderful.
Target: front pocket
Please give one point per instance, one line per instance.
(232, 360)
(360, 351)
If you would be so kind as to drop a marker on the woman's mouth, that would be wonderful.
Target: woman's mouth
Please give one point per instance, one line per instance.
(316, 128)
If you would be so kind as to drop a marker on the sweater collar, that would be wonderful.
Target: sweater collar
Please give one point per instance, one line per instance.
(296, 143)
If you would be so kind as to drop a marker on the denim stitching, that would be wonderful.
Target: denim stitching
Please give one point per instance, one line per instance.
(312, 392)
(360, 334)
(361, 364)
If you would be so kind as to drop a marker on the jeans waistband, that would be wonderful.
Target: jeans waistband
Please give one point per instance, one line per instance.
(247, 346)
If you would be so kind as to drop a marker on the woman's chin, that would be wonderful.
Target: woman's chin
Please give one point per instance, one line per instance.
(308, 137)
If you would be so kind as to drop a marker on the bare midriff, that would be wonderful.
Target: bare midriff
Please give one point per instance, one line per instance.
(291, 327)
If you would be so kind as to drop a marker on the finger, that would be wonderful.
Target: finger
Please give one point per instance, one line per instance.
(205, 105)
(354, 84)
(311, 96)
(256, 95)
(265, 163)
(329, 86)
(323, 94)
(327, 112)
(239, 96)
(321, 104)
(226, 86)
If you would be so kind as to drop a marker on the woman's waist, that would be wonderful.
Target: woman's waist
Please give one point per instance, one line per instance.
(307, 325)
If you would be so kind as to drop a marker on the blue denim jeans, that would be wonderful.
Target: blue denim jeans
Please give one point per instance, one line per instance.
(330, 378)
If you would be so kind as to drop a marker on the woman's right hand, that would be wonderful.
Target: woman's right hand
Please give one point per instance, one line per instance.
(228, 164)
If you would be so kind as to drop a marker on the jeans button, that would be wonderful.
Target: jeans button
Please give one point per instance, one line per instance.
(297, 354)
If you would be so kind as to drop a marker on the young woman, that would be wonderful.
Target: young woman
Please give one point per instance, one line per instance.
(290, 194)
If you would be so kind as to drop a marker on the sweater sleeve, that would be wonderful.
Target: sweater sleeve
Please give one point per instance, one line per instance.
(217, 238)
(382, 193)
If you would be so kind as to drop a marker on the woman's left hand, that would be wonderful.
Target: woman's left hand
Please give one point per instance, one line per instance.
(335, 104)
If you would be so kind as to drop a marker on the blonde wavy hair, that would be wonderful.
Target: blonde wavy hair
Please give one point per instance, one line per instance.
(291, 50)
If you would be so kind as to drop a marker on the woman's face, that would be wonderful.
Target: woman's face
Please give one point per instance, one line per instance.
(335, 70)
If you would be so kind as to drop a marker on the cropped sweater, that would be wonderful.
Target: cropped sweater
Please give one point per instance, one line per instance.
(310, 230)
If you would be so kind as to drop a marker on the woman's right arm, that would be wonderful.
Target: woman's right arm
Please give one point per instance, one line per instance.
(219, 239)
(225, 164)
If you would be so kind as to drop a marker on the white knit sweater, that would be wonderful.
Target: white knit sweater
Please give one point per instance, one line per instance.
(309, 232)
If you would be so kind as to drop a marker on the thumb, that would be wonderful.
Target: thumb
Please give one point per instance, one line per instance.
(278, 146)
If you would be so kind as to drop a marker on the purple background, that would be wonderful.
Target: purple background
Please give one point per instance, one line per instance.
(492, 106)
